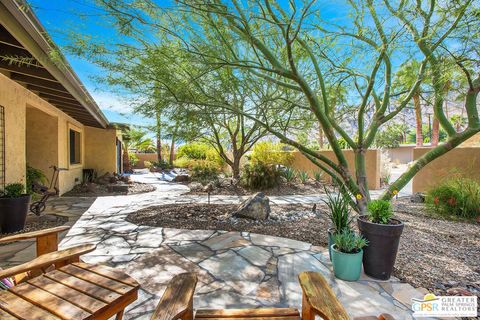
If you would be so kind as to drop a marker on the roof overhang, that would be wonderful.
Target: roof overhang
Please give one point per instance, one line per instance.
(23, 36)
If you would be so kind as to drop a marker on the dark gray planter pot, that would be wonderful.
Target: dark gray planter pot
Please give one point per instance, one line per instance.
(13, 212)
(383, 240)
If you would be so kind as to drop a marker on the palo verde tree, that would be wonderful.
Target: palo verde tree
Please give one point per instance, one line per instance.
(297, 49)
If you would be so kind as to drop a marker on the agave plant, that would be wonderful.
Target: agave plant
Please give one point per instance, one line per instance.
(318, 176)
(303, 176)
(289, 174)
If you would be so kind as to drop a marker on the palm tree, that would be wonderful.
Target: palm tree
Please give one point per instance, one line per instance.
(405, 78)
(134, 139)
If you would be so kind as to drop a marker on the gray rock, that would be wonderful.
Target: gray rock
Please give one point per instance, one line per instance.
(118, 187)
(257, 207)
(181, 178)
(417, 197)
(195, 186)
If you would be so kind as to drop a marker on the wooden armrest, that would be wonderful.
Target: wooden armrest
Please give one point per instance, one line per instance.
(318, 298)
(383, 316)
(177, 300)
(46, 260)
(33, 234)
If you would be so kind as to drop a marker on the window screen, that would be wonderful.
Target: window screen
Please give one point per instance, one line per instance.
(2, 147)
(75, 147)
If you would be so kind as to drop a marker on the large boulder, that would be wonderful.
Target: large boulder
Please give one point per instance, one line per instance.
(257, 207)
(181, 178)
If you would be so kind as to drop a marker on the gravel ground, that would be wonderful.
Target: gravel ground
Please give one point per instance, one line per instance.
(98, 190)
(35, 223)
(435, 253)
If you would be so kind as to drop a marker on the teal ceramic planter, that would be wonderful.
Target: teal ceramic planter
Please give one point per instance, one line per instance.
(347, 266)
(330, 231)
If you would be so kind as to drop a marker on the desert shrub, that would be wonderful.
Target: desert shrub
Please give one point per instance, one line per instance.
(260, 176)
(303, 176)
(162, 164)
(380, 211)
(183, 163)
(13, 190)
(34, 175)
(271, 153)
(318, 175)
(147, 164)
(289, 174)
(194, 150)
(132, 158)
(205, 171)
(455, 197)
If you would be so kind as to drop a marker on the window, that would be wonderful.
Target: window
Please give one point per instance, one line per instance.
(75, 147)
(2, 147)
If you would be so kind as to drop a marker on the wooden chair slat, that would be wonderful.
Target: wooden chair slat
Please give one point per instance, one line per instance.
(50, 302)
(22, 309)
(109, 273)
(48, 259)
(259, 318)
(7, 316)
(77, 298)
(33, 234)
(177, 300)
(106, 283)
(318, 298)
(83, 286)
(247, 313)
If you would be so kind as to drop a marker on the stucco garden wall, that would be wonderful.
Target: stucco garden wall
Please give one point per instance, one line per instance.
(461, 161)
(300, 162)
(142, 157)
(100, 149)
(402, 154)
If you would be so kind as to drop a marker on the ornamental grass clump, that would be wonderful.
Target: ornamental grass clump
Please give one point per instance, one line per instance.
(339, 210)
(457, 197)
(380, 211)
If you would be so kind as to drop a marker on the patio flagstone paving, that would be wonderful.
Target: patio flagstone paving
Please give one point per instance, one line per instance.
(235, 269)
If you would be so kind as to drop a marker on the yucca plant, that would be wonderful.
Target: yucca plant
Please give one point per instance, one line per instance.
(289, 174)
(303, 176)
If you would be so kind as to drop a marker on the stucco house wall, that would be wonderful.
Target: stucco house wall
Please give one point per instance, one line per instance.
(100, 149)
(300, 162)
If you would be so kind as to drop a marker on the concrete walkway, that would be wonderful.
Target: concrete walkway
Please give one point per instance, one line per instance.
(235, 269)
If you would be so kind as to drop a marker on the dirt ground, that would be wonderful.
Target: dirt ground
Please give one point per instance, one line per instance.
(98, 190)
(435, 253)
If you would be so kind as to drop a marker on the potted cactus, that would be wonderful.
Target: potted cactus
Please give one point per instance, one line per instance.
(383, 234)
(347, 254)
(13, 207)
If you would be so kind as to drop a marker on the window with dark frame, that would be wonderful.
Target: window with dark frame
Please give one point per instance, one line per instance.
(75, 147)
(2, 147)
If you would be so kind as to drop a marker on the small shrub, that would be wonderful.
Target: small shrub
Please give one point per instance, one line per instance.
(380, 211)
(183, 163)
(458, 197)
(348, 241)
(289, 174)
(162, 164)
(318, 175)
(147, 164)
(194, 150)
(260, 176)
(205, 171)
(338, 204)
(14, 190)
(132, 158)
(88, 176)
(34, 175)
(303, 176)
(271, 153)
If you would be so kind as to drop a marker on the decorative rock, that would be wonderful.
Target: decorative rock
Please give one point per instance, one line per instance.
(181, 178)
(459, 292)
(256, 207)
(195, 186)
(417, 197)
(118, 187)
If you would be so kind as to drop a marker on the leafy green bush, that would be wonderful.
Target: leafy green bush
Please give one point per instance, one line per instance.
(348, 241)
(260, 176)
(132, 158)
(205, 171)
(380, 211)
(303, 176)
(147, 164)
(194, 150)
(271, 153)
(339, 210)
(14, 190)
(289, 174)
(318, 176)
(34, 175)
(455, 197)
(162, 164)
(183, 163)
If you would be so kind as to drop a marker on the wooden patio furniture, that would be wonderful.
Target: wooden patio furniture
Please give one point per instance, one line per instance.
(318, 299)
(57, 285)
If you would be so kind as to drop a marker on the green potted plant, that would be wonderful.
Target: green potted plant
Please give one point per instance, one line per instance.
(13, 207)
(347, 254)
(383, 234)
(339, 214)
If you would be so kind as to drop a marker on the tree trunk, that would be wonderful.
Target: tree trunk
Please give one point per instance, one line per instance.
(320, 138)
(159, 137)
(418, 119)
(172, 151)
(126, 161)
(236, 166)
(361, 176)
(435, 132)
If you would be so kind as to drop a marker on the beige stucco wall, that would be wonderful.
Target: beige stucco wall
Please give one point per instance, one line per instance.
(461, 161)
(402, 154)
(142, 157)
(100, 149)
(473, 141)
(300, 162)
(40, 139)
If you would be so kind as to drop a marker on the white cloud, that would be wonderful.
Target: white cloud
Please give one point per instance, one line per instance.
(110, 101)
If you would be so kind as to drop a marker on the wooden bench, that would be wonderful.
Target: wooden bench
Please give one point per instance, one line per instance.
(318, 299)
